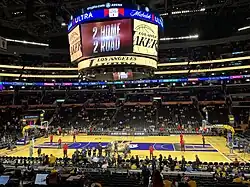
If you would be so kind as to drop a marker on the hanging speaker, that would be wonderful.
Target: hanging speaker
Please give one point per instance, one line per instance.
(30, 10)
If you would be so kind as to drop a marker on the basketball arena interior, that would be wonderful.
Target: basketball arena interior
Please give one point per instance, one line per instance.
(125, 93)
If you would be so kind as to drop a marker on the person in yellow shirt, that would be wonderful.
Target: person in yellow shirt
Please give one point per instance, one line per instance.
(237, 180)
(177, 167)
(52, 160)
(192, 183)
(223, 174)
(218, 169)
(133, 166)
(246, 182)
(53, 170)
(96, 185)
(167, 183)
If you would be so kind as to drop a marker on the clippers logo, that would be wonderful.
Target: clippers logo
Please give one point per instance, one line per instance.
(145, 38)
(114, 12)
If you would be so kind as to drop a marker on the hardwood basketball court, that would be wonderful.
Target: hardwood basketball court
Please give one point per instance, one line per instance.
(215, 149)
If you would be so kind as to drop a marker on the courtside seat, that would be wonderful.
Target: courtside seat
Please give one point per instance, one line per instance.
(37, 160)
(210, 163)
(242, 164)
(204, 163)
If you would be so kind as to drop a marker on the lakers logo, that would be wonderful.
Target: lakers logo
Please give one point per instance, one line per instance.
(145, 38)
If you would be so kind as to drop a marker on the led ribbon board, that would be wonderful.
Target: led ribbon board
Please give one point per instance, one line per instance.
(153, 81)
(115, 12)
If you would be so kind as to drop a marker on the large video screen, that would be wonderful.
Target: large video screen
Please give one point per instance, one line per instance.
(114, 42)
(145, 38)
(122, 75)
(106, 38)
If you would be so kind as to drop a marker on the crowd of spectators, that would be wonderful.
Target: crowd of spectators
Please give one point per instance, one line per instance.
(108, 108)
(157, 172)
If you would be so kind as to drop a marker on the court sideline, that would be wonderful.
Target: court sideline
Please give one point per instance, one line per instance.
(215, 150)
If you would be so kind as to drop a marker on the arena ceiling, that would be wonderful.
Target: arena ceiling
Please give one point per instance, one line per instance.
(42, 19)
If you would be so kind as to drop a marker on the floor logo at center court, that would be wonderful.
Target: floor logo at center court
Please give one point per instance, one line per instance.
(134, 146)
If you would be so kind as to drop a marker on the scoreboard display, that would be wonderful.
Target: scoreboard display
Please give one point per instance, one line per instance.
(123, 36)
(106, 38)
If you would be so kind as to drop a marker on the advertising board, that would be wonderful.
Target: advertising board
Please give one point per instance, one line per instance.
(75, 47)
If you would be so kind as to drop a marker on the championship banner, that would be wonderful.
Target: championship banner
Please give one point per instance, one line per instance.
(3, 44)
(117, 60)
(75, 44)
(145, 38)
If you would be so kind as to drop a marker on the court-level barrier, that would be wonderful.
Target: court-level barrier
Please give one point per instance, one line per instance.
(122, 133)
(143, 133)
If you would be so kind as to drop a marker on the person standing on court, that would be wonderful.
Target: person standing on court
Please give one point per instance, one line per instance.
(231, 147)
(181, 137)
(182, 145)
(65, 150)
(59, 143)
(151, 152)
(74, 136)
(51, 139)
(203, 140)
(31, 151)
(39, 151)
